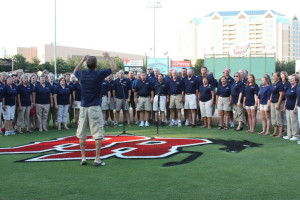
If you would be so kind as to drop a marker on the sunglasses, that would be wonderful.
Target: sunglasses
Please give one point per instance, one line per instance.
(236, 76)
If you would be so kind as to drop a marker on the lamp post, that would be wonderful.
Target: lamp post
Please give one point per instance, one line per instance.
(154, 4)
(55, 72)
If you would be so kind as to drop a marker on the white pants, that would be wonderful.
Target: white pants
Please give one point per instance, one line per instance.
(292, 123)
(62, 113)
(205, 108)
(162, 103)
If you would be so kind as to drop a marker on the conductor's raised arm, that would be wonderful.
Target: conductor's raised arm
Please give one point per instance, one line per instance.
(111, 62)
(80, 64)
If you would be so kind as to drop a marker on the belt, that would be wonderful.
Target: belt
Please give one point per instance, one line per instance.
(162, 95)
(189, 93)
(104, 95)
(144, 96)
(224, 96)
(175, 94)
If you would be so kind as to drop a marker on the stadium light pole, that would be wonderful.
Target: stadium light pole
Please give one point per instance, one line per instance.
(55, 72)
(154, 4)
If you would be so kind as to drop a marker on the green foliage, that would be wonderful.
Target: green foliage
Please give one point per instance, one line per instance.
(289, 67)
(197, 68)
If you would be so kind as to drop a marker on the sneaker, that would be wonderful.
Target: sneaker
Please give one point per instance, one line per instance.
(187, 123)
(12, 132)
(179, 124)
(147, 124)
(106, 123)
(137, 122)
(298, 142)
(172, 124)
(176, 122)
(113, 123)
(286, 137)
(231, 124)
(7, 133)
(141, 124)
(162, 124)
(294, 139)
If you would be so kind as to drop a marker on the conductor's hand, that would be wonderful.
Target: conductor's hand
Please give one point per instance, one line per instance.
(85, 58)
(106, 55)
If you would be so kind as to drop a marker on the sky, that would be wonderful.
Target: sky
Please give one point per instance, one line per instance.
(114, 25)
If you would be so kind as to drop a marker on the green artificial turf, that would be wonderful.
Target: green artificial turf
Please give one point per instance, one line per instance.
(270, 171)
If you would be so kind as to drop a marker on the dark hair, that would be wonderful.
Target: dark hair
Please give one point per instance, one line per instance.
(161, 75)
(204, 67)
(14, 75)
(91, 62)
(248, 83)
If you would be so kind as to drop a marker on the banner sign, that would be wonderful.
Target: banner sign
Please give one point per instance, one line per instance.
(177, 65)
(133, 63)
(134, 69)
(161, 63)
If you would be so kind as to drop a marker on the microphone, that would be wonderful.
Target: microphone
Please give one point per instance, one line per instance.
(123, 84)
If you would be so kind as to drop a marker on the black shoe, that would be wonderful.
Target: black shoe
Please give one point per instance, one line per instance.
(99, 164)
(162, 124)
(156, 123)
(83, 162)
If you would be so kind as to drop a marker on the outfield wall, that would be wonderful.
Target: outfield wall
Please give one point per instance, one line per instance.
(258, 64)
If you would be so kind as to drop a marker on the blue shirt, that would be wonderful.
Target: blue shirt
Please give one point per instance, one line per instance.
(286, 86)
(77, 89)
(223, 91)
(1, 91)
(190, 85)
(112, 85)
(42, 94)
(210, 80)
(10, 94)
(91, 82)
(249, 93)
(105, 88)
(52, 86)
(63, 95)
(144, 88)
(298, 95)
(118, 88)
(236, 89)
(264, 94)
(275, 89)
(167, 79)
(162, 88)
(205, 92)
(291, 97)
(131, 83)
(175, 87)
(25, 94)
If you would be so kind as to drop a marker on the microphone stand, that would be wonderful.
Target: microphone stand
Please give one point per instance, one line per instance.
(124, 100)
(158, 110)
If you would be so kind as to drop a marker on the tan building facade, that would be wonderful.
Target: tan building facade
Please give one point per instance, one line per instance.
(28, 52)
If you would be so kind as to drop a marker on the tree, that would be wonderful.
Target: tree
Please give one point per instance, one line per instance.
(20, 62)
(289, 67)
(197, 69)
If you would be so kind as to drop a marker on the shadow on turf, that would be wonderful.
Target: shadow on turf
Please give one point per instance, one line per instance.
(231, 146)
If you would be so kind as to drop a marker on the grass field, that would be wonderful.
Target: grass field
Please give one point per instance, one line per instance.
(269, 171)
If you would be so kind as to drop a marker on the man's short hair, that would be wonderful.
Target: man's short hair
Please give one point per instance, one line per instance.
(91, 62)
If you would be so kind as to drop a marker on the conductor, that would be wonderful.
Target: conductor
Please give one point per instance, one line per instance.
(90, 112)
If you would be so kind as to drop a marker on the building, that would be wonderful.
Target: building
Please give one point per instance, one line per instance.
(72, 52)
(28, 52)
(3, 53)
(242, 33)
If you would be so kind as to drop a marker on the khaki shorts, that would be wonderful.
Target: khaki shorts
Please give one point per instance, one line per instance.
(122, 104)
(175, 101)
(90, 117)
(162, 103)
(263, 107)
(205, 108)
(104, 105)
(78, 105)
(190, 101)
(238, 112)
(143, 104)
(223, 104)
(249, 107)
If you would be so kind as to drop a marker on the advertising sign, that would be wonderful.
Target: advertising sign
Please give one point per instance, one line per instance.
(133, 65)
(161, 63)
(177, 65)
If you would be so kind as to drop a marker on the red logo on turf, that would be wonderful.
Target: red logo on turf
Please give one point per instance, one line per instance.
(127, 147)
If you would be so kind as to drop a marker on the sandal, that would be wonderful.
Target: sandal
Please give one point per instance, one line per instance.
(274, 134)
(239, 129)
(267, 133)
(29, 131)
(226, 128)
(83, 162)
(279, 136)
(101, 163)
(261, 133)
(220, 127)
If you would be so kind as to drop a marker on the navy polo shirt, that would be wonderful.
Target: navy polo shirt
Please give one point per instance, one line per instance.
(223, 91)
(190, 85)
(162, 88)
(10, 94)
(42, 94)
(298, 95)
(264, 94)
(1, 91)
(205, 92)
(230, 81)
(144, 88)
(118, 88)
(275, 89)
(291, 97)
(286, 86)
(245, 81)
(63, 95)
(112, 84)
(52, 86)
(77, 89)
(249, 93)
(105, 88)
(25, 93)
(236, 89)
(167, 79)
(91, 82)
(200, 80)
(175, 87)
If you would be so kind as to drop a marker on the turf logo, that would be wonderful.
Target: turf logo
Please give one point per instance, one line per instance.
(123, 147)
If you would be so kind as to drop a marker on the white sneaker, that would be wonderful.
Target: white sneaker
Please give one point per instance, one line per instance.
(137, 122)
(113, 123)
(187, 123)
(106, 123)
(141, 124)
(298, 142)
(231, 124)
(286, 137)
(294, 139)
(179, 124)
(172, 123)
(147, 124)
(7, 133)
(176, 122)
